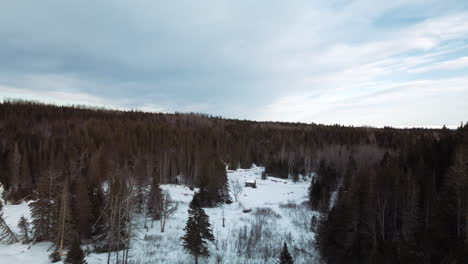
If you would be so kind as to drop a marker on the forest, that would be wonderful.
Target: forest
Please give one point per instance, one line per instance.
(385, 195)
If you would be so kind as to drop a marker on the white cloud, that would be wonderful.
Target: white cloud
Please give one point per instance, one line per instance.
(429, 102)
(56, 97)
(344, 76)
(269, 60)
(455, 64)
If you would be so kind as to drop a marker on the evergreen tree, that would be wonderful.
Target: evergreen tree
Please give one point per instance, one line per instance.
(224, 193)
(81, 207)
(23, 225)
(6, 234)
(285, 257)
(41, 214)
(198, 230)
(155, 196)
(44, 209)
(65, 222)
(55, 256)
(75, 255)
(96, 198)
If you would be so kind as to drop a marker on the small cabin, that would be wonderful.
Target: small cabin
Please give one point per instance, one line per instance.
(251, 184)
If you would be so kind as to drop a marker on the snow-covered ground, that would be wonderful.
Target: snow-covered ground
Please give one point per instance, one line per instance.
(277, 215)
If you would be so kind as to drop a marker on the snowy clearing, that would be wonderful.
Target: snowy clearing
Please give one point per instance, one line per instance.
(255, 227)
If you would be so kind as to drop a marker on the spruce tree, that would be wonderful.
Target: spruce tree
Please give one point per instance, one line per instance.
(154, 199)
(224, 193)
(23, 226)
(285, 257)
(198, 230)
(65, 222)
(96, 198)
(75, 255)
(44, 209)
(55, 256)
(6, 234)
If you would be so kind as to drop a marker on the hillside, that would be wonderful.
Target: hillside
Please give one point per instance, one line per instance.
(279, 213)
(92, 176)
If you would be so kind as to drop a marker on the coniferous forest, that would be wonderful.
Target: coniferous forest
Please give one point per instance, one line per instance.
(385, 195)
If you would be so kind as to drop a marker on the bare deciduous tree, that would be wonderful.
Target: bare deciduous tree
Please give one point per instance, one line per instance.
(236, 189)
(167, 207)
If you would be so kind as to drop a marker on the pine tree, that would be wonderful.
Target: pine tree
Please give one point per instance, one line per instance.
(23, 225)
(63, 234)
(55, 256)
(154, 199)
(285, 257)
(198, 230)
(224, 193)
(81, 207)
(96, 198)
(44, 209)
(6, 234)
(75, 255)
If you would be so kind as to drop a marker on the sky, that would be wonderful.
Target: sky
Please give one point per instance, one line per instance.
(375, 63)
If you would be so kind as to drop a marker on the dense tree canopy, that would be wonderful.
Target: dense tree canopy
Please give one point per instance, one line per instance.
(386, 195)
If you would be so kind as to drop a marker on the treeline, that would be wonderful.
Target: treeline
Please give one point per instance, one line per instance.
(81, 159)
(407, 206)
(171, 147)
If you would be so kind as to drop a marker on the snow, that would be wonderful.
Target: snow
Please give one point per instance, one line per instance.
(281, 197)
(12, 214)
(19, 253)
(269, 192)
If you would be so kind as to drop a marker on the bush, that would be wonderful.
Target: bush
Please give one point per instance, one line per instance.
(54, 257)
(289, 205)
(301, 216)
(266, 212)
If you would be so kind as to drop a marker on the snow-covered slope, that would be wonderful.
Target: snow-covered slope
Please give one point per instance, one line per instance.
(248, 237)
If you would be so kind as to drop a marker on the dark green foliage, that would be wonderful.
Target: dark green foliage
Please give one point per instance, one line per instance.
(54, 257)
(24, 228)
(154, 197)
(214, 188)
(285, 257)
(45, 208)
(322, 185)
(410, 207)
(224, 195)
(75, 255)
(197, 230)
(96, 198)
(412, 188)
(6, 234)
(41, 214)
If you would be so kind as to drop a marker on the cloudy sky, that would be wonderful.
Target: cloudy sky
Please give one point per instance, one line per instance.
(398, 63)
